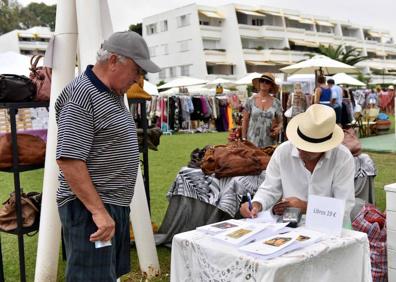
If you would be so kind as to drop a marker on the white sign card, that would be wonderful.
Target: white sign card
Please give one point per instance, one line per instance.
(325, 214)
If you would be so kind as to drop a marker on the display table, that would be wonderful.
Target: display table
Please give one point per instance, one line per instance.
(198, 257)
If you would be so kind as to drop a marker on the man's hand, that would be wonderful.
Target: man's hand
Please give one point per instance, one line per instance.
(293, 202)
(245, 212)
(105, 224)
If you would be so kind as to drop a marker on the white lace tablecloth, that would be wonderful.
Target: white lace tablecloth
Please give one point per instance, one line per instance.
(197, 257)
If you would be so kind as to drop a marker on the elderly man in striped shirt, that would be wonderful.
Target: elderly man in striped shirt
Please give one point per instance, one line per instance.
(98, 157)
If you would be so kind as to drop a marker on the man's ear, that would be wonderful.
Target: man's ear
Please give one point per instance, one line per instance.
(113, 61)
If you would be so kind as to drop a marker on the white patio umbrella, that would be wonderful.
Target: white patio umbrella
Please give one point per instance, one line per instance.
(224, 82)
(183, 81)
(248, 78)
(150, 88)
(15, 63)
(343, 78)
(319, 62)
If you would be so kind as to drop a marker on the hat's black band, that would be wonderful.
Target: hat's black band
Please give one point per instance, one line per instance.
(313, 140)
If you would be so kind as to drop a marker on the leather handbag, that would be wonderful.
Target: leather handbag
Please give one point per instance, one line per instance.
(31, 150)
(16, 88)
(41, 77)
(237, 158)
(30, 204)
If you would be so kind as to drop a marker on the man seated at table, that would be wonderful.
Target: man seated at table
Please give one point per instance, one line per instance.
(313, 161)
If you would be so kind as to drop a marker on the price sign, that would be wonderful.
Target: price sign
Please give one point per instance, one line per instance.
(325, 214)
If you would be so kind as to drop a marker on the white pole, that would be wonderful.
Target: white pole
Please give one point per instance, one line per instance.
(89, 31)
(62, 73)
(143, 232)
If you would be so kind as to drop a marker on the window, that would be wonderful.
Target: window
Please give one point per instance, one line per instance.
(185, 70)
(258, 22)
(183, 20)
(165, 49)
(164, 25)
(184, 45)
(202, 22)
(153, 50)
(172, 71)
(151, 29)
(162, 74)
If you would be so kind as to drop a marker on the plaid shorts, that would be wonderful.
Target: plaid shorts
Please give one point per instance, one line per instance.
(84, 261)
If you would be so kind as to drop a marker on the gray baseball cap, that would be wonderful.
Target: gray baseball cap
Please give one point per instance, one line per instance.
(130, 44)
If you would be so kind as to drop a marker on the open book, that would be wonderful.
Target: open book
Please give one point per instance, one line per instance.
(249, 232)
(280, 244)
(219, 227)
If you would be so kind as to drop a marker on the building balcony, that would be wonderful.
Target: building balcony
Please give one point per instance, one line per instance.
(33, 45)
(215, 56)
(263, 31)
(281, 57)
(211, 32)
(373, 44)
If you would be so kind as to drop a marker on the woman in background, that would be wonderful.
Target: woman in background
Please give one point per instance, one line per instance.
(262, 116)
(297, 100)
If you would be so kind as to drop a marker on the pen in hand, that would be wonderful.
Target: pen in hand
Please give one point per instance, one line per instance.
(250, 202)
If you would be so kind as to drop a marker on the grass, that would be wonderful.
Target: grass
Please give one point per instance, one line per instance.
(174, 152)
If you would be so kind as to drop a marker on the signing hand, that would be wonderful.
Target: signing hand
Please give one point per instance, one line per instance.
(105, 224)
(245, 212)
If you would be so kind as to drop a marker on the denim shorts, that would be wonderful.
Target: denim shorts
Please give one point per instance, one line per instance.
(84, 261)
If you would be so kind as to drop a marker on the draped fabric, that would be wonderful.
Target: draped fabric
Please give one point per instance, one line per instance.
(225, 193)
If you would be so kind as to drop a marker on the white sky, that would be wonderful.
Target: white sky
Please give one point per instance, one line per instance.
(379, 14)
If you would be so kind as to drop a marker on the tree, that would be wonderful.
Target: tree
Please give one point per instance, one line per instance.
(38, 14)
(136, 28)
(351, 57)
(14, 16)
(9, 19)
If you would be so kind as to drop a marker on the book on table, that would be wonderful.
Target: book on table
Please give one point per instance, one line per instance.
(279, 244)
(219, 227)
(248, 232)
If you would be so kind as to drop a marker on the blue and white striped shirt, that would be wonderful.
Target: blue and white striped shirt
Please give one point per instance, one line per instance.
(95, 126)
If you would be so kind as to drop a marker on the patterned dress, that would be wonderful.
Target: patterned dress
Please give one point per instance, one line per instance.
(260, 122)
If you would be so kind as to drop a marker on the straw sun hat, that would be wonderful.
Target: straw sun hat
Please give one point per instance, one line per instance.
(269, 77)
(315, 130)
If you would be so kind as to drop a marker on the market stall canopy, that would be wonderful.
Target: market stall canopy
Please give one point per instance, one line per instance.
(150, 88)
(223, 82)
(14, 63)
(183, 81)
(250, 76)
(196, 89)
(343, 78)
(326, 64)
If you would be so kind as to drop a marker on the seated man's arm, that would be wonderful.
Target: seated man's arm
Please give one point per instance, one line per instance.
(269, 192)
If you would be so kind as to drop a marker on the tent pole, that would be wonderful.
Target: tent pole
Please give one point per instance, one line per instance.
(63, 65)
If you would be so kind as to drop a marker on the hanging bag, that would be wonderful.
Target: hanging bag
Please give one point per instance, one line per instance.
(16, 88)
(30, 205)
(41, 77)
(289, 112)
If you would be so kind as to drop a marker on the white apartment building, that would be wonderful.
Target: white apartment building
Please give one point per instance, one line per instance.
(232, 40)
(27, 42)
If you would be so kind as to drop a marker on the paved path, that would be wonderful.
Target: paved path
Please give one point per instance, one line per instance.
(380, 143)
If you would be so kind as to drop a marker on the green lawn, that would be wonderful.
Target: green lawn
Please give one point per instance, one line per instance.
(174, 152)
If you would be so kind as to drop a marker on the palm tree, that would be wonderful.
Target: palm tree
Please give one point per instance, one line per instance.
(350, 57)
